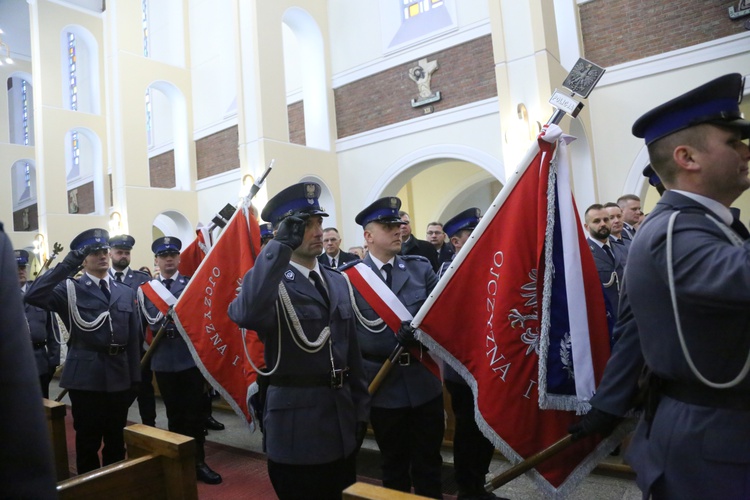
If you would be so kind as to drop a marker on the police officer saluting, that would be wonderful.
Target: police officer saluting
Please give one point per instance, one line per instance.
(102, 366)
(119, 251)
(407, 409)
(45, 334)
(316, 406)
(180, 381)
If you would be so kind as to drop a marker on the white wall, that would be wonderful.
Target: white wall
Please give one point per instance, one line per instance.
(213, 65)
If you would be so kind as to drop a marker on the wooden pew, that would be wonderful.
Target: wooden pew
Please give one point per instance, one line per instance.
(366, 491)
(160, 464)
(55, 413)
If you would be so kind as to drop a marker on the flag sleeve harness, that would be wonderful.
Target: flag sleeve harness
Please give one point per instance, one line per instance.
(75, 316)
(736, 241)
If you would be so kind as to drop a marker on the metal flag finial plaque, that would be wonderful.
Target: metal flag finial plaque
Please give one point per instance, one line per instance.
(580, 81)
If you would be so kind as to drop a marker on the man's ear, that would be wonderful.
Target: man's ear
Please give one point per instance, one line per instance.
(684, 157)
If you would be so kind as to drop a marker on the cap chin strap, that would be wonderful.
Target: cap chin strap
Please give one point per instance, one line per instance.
(736, 241)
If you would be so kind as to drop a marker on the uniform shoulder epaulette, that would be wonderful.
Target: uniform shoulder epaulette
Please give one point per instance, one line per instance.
(415, 257)
(138, 272)
(349, 264)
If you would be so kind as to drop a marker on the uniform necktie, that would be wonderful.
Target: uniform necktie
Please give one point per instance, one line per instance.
(118, 276)
(740, 229)
(387, 270)
(333, 262)
(609, 252)
(318, 282)
(168, 283)
(104, 288)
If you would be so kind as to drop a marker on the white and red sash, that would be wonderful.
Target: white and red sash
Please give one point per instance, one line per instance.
(386, 304)
(158, 294)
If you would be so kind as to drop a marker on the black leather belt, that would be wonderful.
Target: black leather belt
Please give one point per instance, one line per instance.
(404, 359)
(112, 350)
(39, 345)
(701, 395)
(333, 379)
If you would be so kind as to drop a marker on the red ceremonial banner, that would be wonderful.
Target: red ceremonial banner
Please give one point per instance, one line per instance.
(201, 313)
(494, 343)
(192, 255)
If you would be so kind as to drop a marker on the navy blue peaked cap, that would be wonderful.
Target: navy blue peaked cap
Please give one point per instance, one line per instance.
(468, 219)
(715, 102)
(385, 210)
(22, 257)
(651, 175)
(266, 230)
(124, 241)
(94, 239)
(166, 245)
(298, 199)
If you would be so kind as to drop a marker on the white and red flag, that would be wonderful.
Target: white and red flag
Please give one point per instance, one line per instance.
(532, 329)
(192, 255)
(218, 346)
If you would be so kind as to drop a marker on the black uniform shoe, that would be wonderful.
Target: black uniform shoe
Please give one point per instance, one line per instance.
(204, 473)
(213, 424)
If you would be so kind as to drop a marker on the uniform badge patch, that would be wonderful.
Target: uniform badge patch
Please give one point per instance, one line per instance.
(289, 275)
(401, 266)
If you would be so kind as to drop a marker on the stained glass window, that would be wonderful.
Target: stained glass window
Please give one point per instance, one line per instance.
(413, 8)
(25, 111)
(75, 169)
(72, 71)
(149, 117)
(144, 25)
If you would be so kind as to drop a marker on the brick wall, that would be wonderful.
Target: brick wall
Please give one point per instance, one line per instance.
(84, 197)
(466, 74)
(32, 218)
(618, 31)
(296, 123)
(161, 170)
(217, 153)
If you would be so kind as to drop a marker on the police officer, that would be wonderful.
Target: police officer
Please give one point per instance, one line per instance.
(316, 405)
(180, 381)
(472, 452)
(120, 248)
(26, 462)
(407, 409)
(45, 334)
(686, 304)
(102, 368)
(608, 257)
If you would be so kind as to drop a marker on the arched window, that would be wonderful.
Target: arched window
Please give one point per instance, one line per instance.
(84, 172)
(23, 174)
(21, 109)
(80, 68)
(168, 150)
(416, 21)
(163, 26)
(305, 70)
